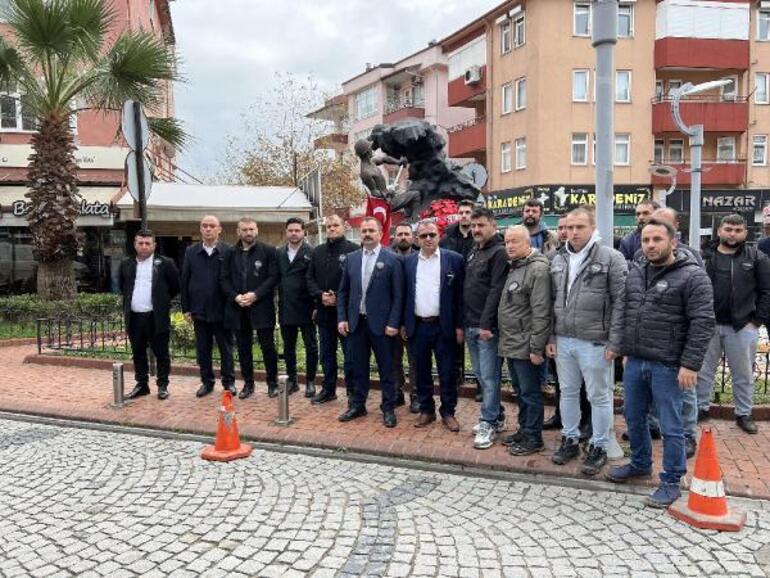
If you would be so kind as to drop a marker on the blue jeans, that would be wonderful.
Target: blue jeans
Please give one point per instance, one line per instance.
(740, 348)
(646, 382)
(525, 376)
(487, 366)
(577, 361)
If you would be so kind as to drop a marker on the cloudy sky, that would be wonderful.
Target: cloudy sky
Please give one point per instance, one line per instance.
(231, 50)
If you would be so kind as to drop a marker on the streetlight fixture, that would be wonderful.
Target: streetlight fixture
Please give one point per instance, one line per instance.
(695, 134)
(667, 172)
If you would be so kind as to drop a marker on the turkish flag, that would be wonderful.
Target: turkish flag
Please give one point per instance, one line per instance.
(380, 210)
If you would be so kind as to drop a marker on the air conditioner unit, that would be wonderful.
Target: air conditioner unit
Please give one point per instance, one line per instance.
(473, 75)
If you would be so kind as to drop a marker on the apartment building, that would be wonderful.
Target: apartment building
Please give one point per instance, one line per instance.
(414, 87)
(527, 71)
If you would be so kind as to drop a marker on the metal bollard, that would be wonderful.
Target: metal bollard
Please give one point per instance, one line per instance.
(283, 402)
(117, 386)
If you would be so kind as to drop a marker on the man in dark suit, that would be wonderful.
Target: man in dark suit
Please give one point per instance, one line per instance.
(148, 283)
(323, 280)
(295, 305)
(369, 310)
(249, 276)
(433, 322)
(203, 304)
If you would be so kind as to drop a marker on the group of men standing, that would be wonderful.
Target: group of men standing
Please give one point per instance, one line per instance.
(518, 298)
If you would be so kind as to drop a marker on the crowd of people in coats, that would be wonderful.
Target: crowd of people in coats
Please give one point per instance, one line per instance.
(539, 301)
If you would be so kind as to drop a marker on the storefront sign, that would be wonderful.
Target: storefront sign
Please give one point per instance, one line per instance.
(21, 208)
(738, 203)
(563, 198)
(17, 155)
(721, 201)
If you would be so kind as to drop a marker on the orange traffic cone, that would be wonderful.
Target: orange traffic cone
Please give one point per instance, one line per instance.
(706, 505)
(227, 445)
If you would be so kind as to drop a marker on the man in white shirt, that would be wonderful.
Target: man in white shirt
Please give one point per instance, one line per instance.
(148, 283)
(433, 322)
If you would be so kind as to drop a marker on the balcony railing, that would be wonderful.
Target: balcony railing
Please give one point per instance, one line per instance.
(717, 113)
(399, 103)
(466, 124)
(715, 172)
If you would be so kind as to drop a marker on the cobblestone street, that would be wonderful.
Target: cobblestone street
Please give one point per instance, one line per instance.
(84, 502)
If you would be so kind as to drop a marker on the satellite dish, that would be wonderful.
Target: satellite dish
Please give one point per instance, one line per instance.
(477, 173)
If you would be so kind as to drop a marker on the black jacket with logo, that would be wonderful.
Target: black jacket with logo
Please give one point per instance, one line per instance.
(669, 313)
(485, 271)
(750, 296)
(325, 271)
(254, 270)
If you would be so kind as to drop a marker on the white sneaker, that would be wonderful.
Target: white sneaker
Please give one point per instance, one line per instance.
(499, 426)
(485, 437)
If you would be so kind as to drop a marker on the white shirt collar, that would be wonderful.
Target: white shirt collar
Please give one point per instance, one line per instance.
(436, 254)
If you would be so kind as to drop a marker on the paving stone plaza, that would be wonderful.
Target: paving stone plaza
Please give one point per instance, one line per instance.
(96, 503)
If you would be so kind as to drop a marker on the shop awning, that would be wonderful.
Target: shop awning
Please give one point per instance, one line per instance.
(95, 206)
(173, 202)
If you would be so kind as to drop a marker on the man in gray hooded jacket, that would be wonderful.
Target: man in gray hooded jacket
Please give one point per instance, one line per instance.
(589, 285)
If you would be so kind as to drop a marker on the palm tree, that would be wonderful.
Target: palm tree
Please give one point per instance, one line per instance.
(64, 56)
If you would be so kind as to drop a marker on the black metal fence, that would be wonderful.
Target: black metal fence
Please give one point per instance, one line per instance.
(104, 336)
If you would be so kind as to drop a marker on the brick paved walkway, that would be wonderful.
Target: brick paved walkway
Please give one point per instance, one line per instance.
(85, 394)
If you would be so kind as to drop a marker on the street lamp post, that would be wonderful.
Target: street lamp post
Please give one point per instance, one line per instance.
(605, 36)
(695, 134)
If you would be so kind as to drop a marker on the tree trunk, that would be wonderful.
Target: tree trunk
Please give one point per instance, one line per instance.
(56, 281)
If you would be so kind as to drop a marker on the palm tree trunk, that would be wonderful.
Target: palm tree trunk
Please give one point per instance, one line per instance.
(52, 177)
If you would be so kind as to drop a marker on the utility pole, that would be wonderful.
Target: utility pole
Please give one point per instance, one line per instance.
(604, 37)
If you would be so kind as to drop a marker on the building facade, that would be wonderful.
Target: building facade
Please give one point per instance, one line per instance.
(100, 157)
(527, 71)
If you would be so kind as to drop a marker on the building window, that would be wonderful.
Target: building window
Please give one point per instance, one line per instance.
(13, 114)
(152, 13)
(726, 149)
(366, 103)
(763, 25)
(676, 151)
(622, 149)
(674, 85)
(507, 98)
(762, 88)
(505, 157)
(625, 21)
(580, 85)
(657, 154)
(505, 37)
(658, 90)
(521, 93)
(759, 156)
(519, 30)
(622, 86)
(521, 153)
(729, 91)
(579, 148)
(582, 19)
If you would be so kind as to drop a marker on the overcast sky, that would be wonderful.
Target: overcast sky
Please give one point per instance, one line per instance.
(231, 50)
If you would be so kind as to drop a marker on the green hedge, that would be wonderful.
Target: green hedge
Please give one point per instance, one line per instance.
(19, 313)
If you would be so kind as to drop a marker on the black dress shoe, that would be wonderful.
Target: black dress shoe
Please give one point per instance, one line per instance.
(553, 422)
(324, 397)
(138, 391)
(389, 419)
(414, 404)
(400, 400)
(247, 391)
(162, 391)
(353, 413)
(231, 389)
(272, 389)
(291, 384)
(310, 389)
(204, 390)
(746, 424)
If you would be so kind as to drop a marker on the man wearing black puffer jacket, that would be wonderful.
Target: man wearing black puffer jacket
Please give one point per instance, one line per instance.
(669, 316)
(740, 275)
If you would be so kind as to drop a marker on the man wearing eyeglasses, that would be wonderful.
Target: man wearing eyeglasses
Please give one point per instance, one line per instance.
(433, 322)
